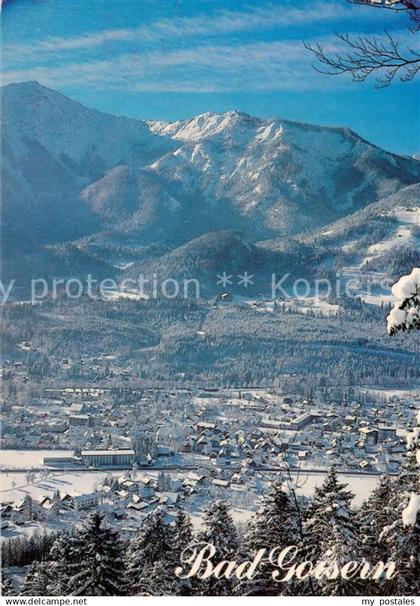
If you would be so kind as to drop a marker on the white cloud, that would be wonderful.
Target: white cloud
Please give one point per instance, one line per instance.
(211, 67)
(267, 17)
(208, 62)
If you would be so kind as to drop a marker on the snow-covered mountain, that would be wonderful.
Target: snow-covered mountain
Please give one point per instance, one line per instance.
(81, 137)
(279, 176)
(69, 172)
(268, 178)
(52, 148)
(383, 238)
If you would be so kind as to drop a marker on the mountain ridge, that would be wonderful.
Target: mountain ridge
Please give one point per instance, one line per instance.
(104, 182)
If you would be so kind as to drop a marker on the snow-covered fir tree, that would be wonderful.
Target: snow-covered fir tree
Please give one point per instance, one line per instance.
(152, 543)
(405, 315)
(37, 580)
(409, 476)
(220, 531)
(403, 535)
(403, 538)
(275, 526)
(8, 587)
(65, 562)
(331, 533)
(375, 513)
(158, 580)
(183, 537)
(101, 568)
(183, 532)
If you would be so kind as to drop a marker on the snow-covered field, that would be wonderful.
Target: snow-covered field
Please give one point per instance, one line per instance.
(25, 459)
(14, 486)
(116, 295)
(313, 304)
(360, 485)
(302, 305)
(389, 394)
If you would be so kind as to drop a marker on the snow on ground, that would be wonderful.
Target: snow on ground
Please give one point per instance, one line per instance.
(389, 394)
(377, 299)
(351, 246)
(25, 459)
(370, 286)
(360, 485)
(297, 304)
(313, 304)
(116, 295)
(403, 235)
(14, 487)
(403, 232)
(406, 215)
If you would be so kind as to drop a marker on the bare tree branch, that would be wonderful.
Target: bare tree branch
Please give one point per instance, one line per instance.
(411, 7)
(367, 56)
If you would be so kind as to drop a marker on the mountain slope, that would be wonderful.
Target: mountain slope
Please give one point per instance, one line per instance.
(384, 237)
(281, 177)
(267, 178)
(53, 148)
(123, 190)
(208, 257)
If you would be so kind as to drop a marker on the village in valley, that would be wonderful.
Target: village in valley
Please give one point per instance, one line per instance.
(128, 449)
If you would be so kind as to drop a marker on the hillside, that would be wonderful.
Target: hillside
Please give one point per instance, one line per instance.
(127, 191)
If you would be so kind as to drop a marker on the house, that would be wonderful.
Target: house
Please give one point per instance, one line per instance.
(220, 483)
(305, 419)
(47, 507)
(369, 435)
(169, 498)
(77, 409)
(128, 484)
(81, 421)
(164, 451)
(140, 507)
(386, 432)
(67, 501)
(111, 458)
(194, 477)
(86, 501)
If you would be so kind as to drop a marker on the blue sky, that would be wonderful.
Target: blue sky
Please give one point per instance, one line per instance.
(170, 59)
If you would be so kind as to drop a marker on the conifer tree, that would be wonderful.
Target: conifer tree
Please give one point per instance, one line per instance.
(219, 531)
(374, 515)
(183, 533)
(101, 568)
(408, 480)
(331, 534)
(65, 561)
(158, 580)
(8, 587)
(183, 537)
(404, 550)
(403, 536)
(275, 526)
(37, 580)
(153, 543)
